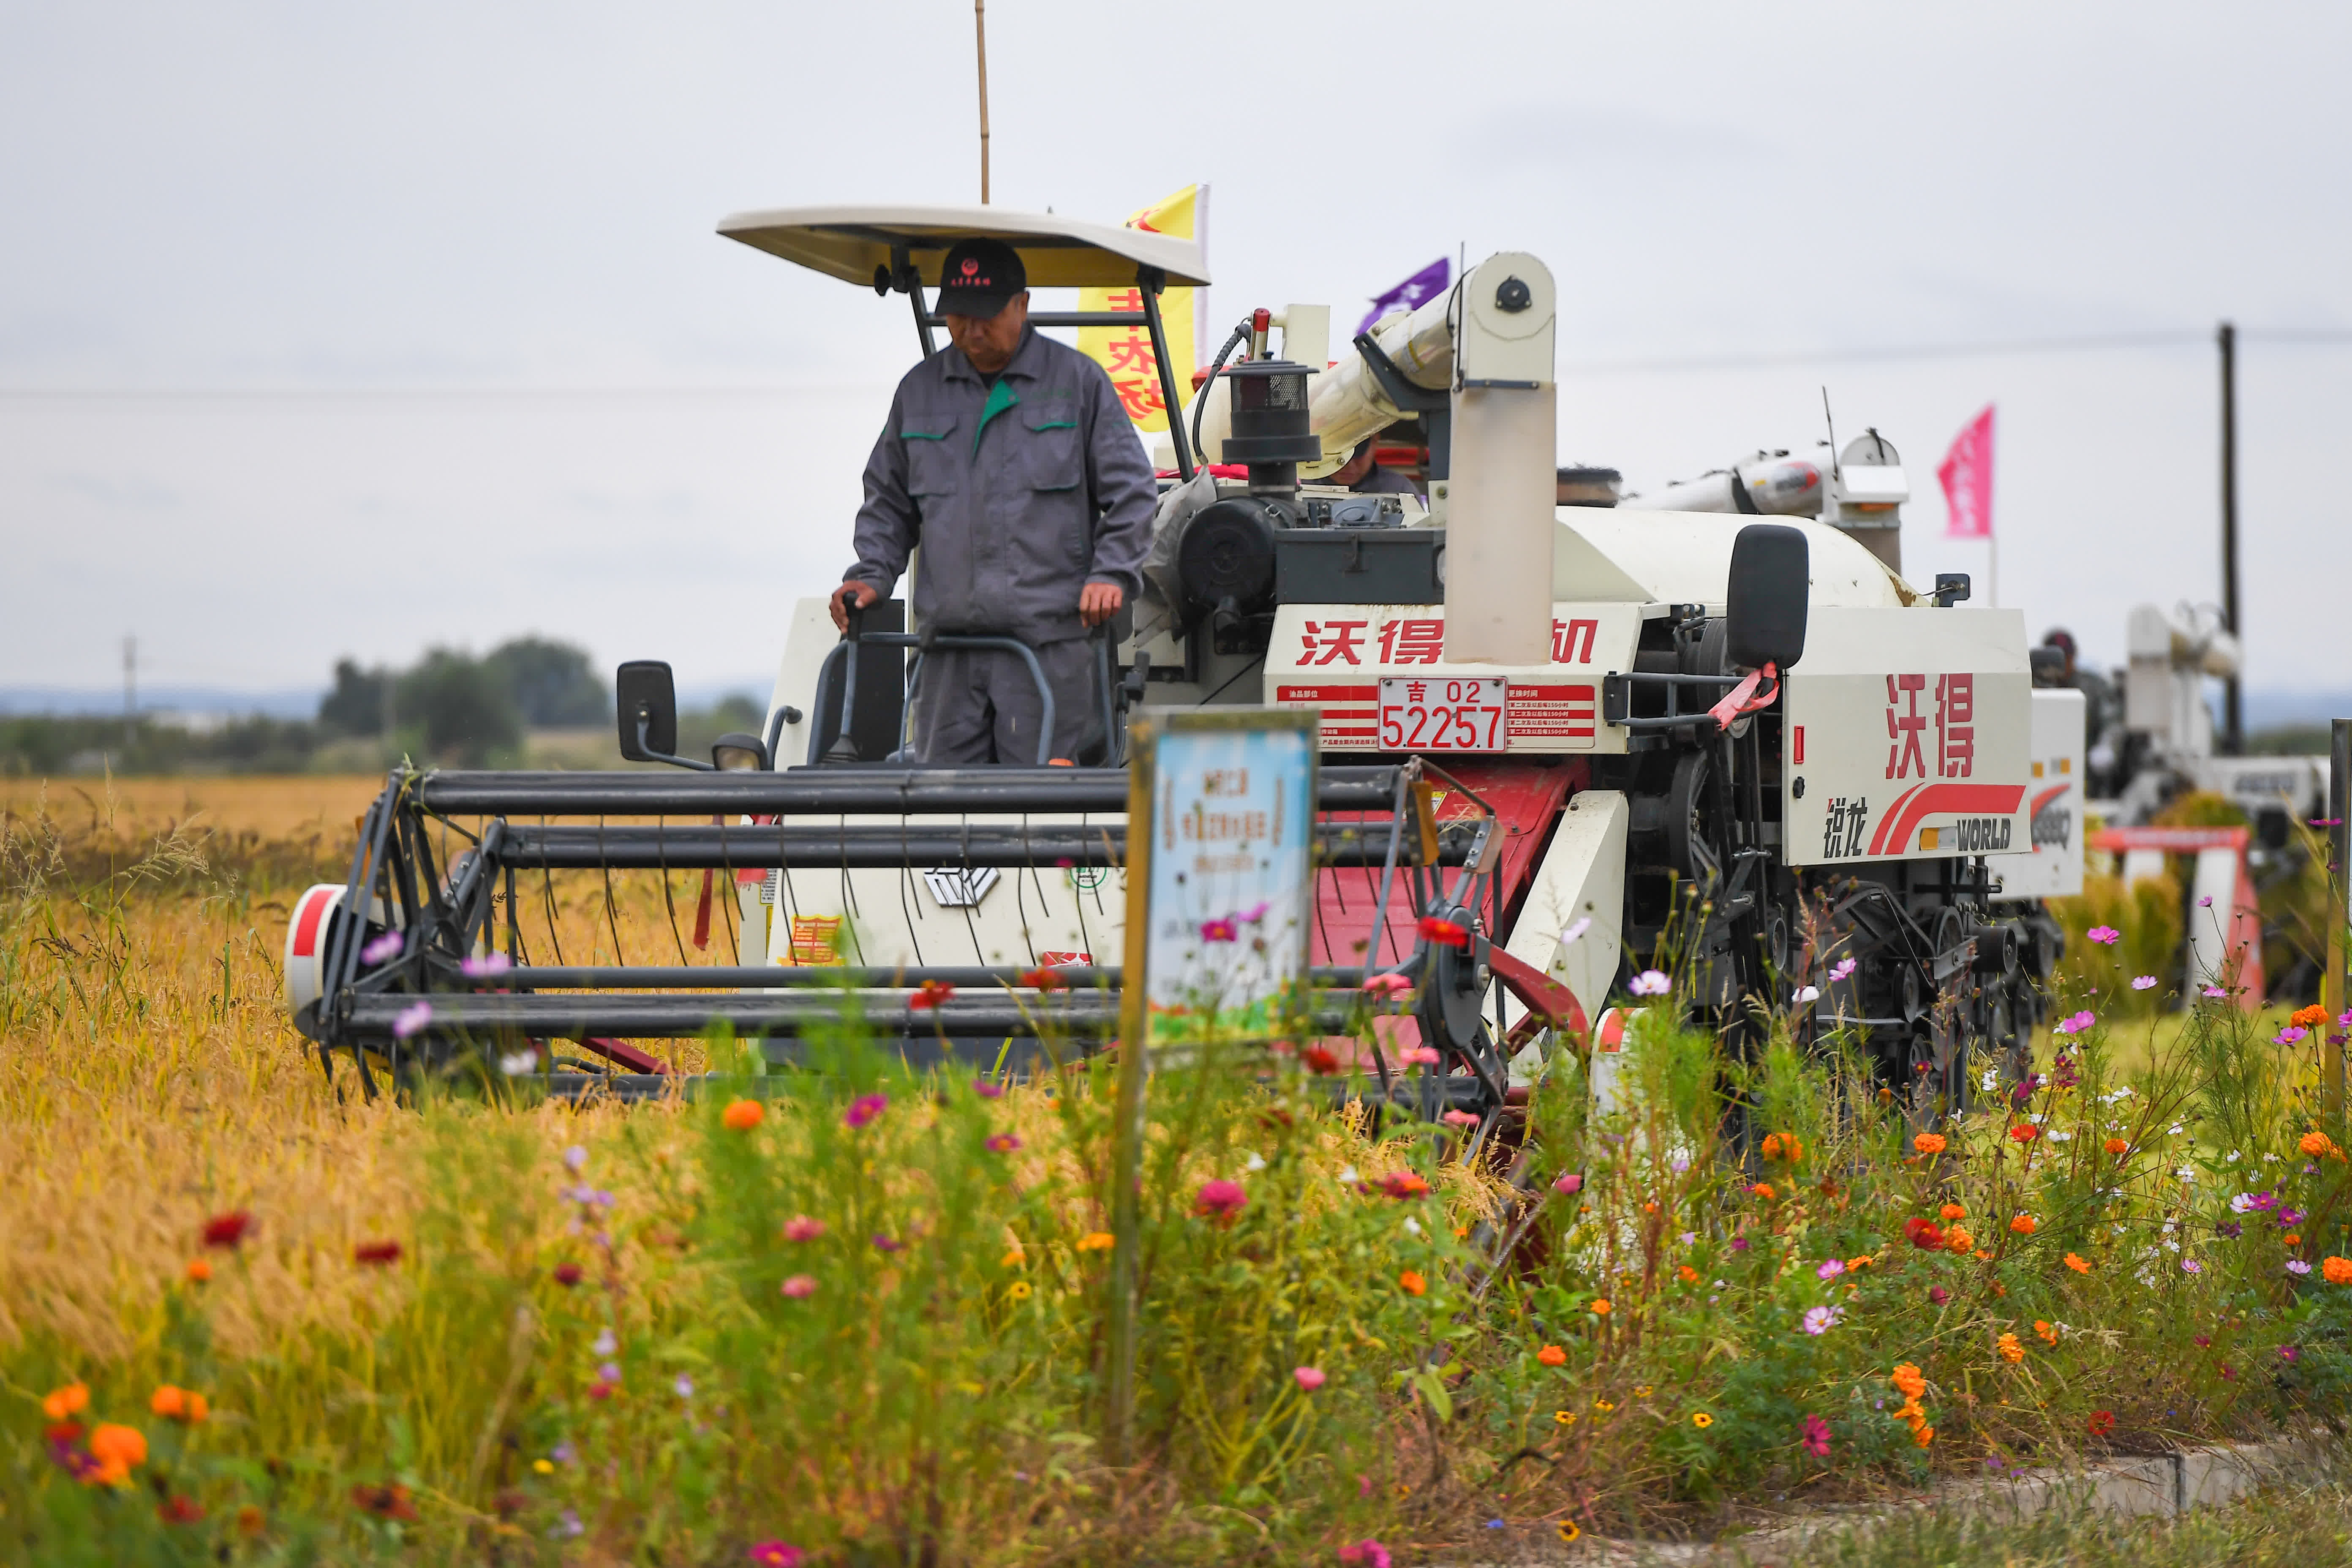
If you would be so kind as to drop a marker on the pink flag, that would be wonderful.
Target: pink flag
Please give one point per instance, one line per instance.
(1967, 473)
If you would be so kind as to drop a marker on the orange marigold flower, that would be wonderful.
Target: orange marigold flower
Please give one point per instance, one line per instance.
(61, 1403)
(1762, 1190)
(1929, 1144)
(1411, 1283)
(1097, 1241)
(1909, 1380)
(1862, 1261)
(114, 1446)
(2316, 1144)
(1923, 1436)
(1601, 1304)
(2022, 1224)
(1552, 1355)
(1688, 1275)
(2337, 1270)
(2309, 1017)
(168, 1401)
(1958, 1242)
(1954, 1211)
(2117, 1146)
(2049, 1332)
(2292, 1239)
(743, 1115)
(2026, 1133)
(199, 1269)
(2012, 1350)
(2075, 1262)
(1771, 1145)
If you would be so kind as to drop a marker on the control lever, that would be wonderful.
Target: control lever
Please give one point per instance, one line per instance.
(844, 749)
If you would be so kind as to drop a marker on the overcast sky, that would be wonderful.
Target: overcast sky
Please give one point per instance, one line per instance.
(440, 346)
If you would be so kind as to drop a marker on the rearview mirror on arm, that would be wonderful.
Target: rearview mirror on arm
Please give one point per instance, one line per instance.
(647, 699)
(1771, 585)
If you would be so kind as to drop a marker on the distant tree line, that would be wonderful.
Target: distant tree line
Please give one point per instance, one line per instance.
(449, 707)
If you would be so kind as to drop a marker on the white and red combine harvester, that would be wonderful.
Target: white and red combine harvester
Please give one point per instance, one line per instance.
(1740, 749)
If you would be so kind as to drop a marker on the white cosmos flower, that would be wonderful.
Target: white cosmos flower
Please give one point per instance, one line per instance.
(1583, 925)
(1806, 994)
(519, 1063)
(1255, 1162)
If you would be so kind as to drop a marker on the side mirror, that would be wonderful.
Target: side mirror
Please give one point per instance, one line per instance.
(647, 699)
(1771, 585)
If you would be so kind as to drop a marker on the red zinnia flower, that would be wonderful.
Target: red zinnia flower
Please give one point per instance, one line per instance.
(1924, 1234)
(225, 1231)
(567, 1273)
(1443, 932)
(931, 993)
(1044, 979)
(376, 1252)
(1321, 1060)
(2101, 1423)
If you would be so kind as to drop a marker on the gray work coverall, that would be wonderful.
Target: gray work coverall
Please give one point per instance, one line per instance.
(1020, 494)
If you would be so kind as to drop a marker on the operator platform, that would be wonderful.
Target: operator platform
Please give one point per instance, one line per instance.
(1009, 459)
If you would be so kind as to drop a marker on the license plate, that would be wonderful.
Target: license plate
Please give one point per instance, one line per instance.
(1452, 715)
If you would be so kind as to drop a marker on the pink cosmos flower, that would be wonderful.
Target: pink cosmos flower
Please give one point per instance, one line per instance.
(1219, 931)
(1583, 923)
(1310, 1378)
(1421, 1055)
(1650, 983)
(2143, 982)
(409, 1020)
(1569, 1183)
(2289, 1035)
(1253, 915)
(1459, 1119)
(987, 1090)
(1820, 1320)
(1817, 1437)
(1841, 969)
(1829, 1270)
(1387, 985)
(801, 1285)
(2215, 991)
(1001, 1143)
(778, 1554)
(1365, 1553)
(863, 1109)
(384, 948)
(1219, 1199)
(2105, 936)
(486, 964)
(800, 1227)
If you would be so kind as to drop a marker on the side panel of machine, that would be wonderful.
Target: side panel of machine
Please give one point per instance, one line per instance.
(2052, 867)
(1334, 657)
(1906, 736)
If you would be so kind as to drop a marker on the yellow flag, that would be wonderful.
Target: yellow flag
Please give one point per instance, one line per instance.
(1125, 352)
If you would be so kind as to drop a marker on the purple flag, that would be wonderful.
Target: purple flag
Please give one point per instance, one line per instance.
(1425, 284)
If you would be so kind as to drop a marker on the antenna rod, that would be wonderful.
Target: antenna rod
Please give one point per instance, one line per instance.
(980, 30)
(2234, 730)
(1835, 470)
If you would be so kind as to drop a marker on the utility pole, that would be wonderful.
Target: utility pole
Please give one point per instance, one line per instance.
(129, 689)
(2233, 718)
(980, 30)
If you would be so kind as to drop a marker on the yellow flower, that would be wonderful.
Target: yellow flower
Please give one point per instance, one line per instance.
(1018, 1290)
(1566, 1529)
(1603, 1406)
(1641, 1391)
(1564, 1417)
(1097, 1241)
(1702, 1420)
(544, 1467)
(2011, 1350)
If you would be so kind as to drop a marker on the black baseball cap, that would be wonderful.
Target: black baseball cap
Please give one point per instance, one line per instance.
(979, 277)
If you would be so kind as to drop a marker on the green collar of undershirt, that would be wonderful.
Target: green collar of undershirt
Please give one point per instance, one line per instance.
(1000, 398)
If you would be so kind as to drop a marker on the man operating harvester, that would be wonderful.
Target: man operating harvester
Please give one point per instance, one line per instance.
(1009, 459)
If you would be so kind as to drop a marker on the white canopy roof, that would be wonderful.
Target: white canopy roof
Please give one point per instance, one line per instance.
(849, 243)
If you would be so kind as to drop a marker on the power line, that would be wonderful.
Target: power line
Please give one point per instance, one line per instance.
(583, 397)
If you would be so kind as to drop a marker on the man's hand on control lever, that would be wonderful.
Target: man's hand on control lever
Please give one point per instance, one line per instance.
(1098, 601)
(864, 594)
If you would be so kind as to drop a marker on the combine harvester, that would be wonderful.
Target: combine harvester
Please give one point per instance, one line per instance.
(1738, 747)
